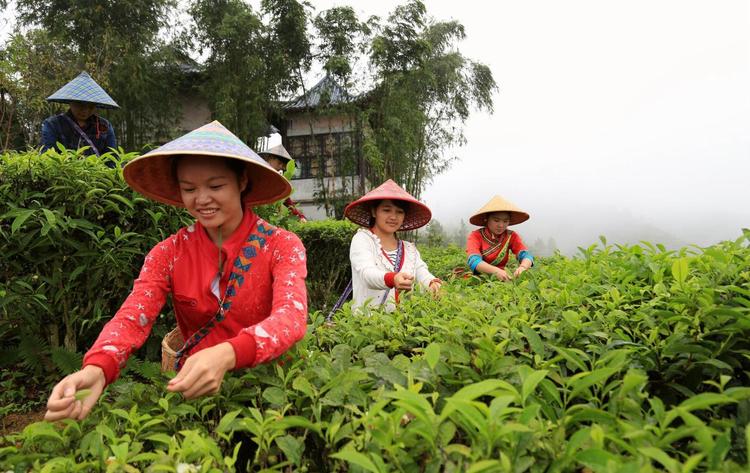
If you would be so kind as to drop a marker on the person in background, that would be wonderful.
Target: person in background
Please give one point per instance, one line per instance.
(383, 266)
(237, 283)
(278, 158)
(488, 248)
(80, 126)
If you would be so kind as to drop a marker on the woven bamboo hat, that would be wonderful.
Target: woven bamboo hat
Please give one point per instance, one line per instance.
(83, 89)
(498, 204)
(418, 215)
(152, 176)
(277, 151)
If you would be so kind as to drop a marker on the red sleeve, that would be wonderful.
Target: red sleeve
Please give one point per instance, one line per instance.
(516, 244)
(287, 323)
(474, 244)
(131, 325)
(390, 279)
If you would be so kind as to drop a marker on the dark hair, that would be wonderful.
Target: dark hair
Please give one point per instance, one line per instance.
(398, 203)
(237, 166)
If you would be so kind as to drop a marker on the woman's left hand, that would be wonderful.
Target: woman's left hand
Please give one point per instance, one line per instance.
(520, 269)
(434, 287)
(203, 372)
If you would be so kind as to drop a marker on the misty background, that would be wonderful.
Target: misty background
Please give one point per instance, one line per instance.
(624, 119)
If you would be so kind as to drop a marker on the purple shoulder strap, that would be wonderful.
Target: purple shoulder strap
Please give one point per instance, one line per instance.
(82, 133)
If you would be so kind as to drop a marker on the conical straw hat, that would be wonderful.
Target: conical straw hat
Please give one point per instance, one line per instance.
(83, 89)
(278, 151)
(418, 215)
(498, 204)
(152, 175)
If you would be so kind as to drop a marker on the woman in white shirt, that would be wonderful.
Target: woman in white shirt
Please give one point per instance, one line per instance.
(382, 265)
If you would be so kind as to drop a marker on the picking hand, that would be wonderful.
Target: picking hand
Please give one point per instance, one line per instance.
(519, 270)
(403, 281)
(62, 402)
(203, 372)
(434, 288)
(502, 275)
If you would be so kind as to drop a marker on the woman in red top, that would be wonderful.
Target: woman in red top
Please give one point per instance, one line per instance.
(488, 249)
(208, 268)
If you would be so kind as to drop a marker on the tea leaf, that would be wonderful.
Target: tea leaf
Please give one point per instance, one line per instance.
(82, 394)
(356, 458)
(19, 220)
(530, 382)
(680, 270)
(432, 354)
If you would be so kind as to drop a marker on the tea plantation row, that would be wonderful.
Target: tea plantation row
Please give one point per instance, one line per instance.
(623, 359)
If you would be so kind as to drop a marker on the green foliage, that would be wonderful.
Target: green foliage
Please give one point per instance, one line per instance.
(250, 63)
(342, 37)
(622, 359)
(442, 260)
(31, 65)
(328, 268)
(426, 89)
(68, 224)
(118, 43)
(435, 234)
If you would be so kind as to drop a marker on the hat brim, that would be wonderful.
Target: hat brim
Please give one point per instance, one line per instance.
(151, 175)
(417, 216)
(98, 104)
(263, 154)
(516, 217)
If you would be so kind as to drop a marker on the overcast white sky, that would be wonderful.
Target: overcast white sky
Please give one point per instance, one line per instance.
(624, 118)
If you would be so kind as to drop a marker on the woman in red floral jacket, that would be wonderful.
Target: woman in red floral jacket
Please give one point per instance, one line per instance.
(208, 268)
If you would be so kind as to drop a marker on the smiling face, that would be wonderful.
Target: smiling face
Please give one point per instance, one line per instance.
(82, 110)
(498, 222)
(389, 216)
(211, 192)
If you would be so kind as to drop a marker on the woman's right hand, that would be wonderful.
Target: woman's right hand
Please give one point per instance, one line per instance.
(502, 275)
(62, 403)
(403, 281)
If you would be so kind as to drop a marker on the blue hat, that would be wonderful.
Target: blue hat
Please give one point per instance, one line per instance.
(83, 89)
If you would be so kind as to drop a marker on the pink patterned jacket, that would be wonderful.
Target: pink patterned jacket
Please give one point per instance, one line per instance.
(266, 317)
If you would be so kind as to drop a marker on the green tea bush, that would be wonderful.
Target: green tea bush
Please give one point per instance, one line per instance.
(328, 267)
(623, 359)
(442, 260)
(73, 237)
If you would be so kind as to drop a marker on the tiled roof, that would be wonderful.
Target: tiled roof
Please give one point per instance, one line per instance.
(327, 89)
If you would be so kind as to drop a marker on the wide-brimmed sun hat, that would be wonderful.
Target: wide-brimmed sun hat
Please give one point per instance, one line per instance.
(152, 175)
(277, 151)
(498, 204)
(83, 89)
(418, 215)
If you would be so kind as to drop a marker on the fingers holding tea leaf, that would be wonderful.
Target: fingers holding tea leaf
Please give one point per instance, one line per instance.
(82, 394)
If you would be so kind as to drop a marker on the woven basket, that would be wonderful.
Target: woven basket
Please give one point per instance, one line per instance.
(171, 343)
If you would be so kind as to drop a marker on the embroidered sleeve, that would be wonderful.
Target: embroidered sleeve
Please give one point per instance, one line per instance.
(287, 323)
(519, 249)
(363, 259)
(516, 244)
(132, 323)
(473, 250)
(474, 261)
